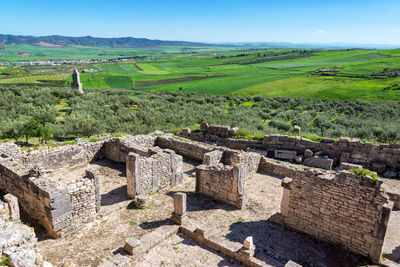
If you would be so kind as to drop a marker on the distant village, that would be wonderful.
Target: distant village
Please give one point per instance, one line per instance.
(72, 62)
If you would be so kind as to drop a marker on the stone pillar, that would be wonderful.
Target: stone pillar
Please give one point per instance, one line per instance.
(239, 177)
(286, 196)
(173, 165)
(179, 214)
(13, 207)
(76, 81)
(94, 175)
(132, 174)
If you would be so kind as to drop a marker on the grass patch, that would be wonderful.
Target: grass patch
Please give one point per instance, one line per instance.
(364, 172)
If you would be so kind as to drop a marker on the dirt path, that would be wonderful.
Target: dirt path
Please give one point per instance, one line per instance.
(137, 67)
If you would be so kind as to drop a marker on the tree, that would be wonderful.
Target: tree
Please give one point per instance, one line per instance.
(13, 128)
(45, 134)
(31, 129)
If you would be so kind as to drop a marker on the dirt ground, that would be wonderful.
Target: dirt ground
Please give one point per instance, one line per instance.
(101, 241)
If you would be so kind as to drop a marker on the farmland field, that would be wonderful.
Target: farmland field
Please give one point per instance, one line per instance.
(222, 71)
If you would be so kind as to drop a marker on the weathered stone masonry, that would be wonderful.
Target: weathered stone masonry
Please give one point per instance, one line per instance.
(64, 204)
(338, 207)
(223, 175)
(376, 157)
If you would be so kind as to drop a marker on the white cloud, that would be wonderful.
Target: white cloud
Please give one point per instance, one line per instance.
(320, 31)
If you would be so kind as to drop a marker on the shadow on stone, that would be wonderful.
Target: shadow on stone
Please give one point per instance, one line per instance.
(394, 255)
(111, 164)
(278, 243)
(155, 224)
(114, 196)
(197, 202)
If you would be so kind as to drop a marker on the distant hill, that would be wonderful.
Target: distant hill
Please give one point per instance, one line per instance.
(57, 41)
(310, 45)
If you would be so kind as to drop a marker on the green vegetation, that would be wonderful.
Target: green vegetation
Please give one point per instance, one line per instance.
(4, 261)
(41, 113)
(241, 220)
(326, 74)
(365, 172)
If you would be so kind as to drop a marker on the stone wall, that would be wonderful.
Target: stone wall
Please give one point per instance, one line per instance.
(148, 172)
(220, 130)
(223, 175)
(54, 158)
(222, 182)
(338, 207)
(279, 168)
(60, 209)
(184, 147)
(342, 150)
(116, 149)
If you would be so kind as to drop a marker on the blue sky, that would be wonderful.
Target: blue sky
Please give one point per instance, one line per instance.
(322, 21)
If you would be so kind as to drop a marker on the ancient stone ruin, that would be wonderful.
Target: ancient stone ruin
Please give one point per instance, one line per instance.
(281, 184)
(76, 81)
(62, 198)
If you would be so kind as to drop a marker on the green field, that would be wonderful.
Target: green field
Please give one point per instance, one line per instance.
(223, 71)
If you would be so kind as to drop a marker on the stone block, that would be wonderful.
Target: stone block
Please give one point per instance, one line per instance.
(13, 207)
(317, 162)
(390, 174)
(292, 264)
(248, 243)
(132, 244)
(349, 166)
(378, 167)
(186, 131)
(204, 127)
(345, 157)
(179, 203)
(285, 154)
(178, 219)
(308, 153)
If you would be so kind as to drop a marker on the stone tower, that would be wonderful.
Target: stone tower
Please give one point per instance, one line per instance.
(76, 81)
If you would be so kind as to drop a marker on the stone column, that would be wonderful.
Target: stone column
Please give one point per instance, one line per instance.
(285, 196)
(239, 177)
(132, 174)
(179, 214)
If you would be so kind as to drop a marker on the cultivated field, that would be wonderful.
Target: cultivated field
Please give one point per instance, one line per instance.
(333, 74)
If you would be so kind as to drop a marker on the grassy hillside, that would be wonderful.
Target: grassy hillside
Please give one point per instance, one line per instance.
(336, 74)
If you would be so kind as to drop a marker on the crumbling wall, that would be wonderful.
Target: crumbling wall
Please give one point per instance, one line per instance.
(342, 150)
(34, 200)
(117, 149)
(222, 182)
(59, 209)
(220, 130)
(54, 158)
(338, 207)
(279, 168)
(184, 147)
(147, 174)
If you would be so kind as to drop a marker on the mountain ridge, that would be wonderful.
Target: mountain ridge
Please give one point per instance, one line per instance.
(119, 42)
